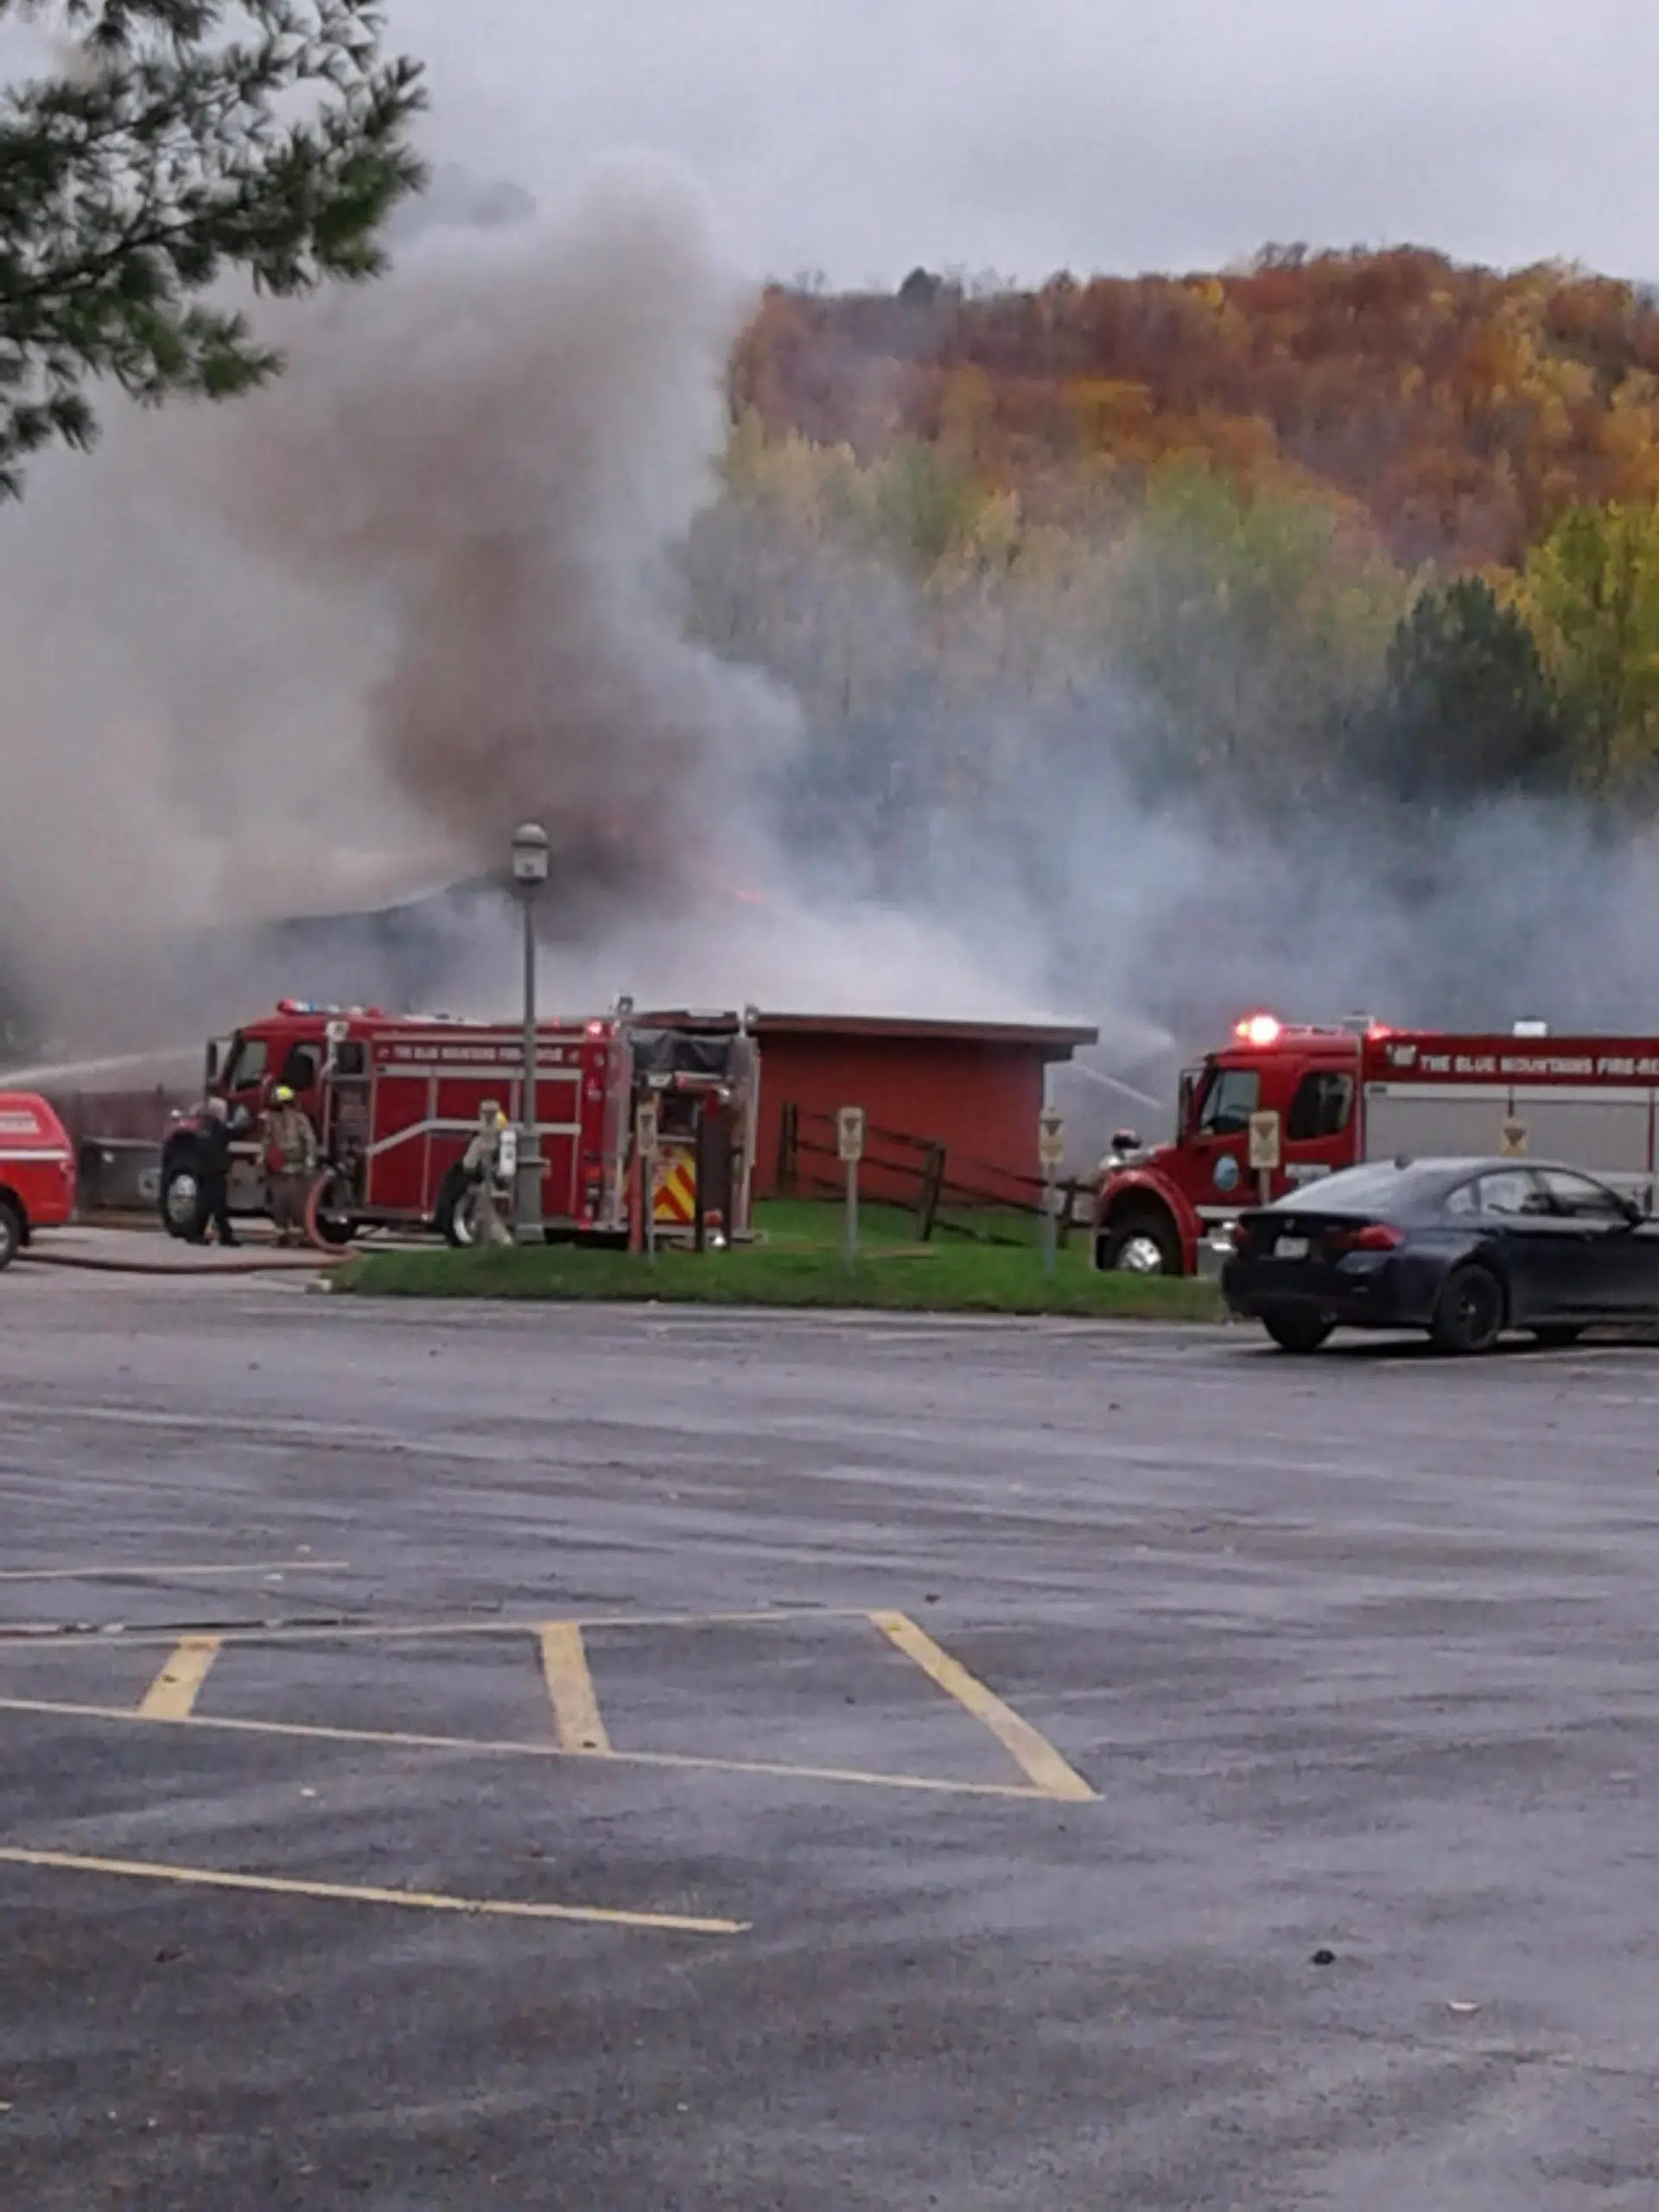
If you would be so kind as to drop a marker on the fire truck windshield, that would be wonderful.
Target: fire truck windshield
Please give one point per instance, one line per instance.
(246, 1065)
(1227, 1099)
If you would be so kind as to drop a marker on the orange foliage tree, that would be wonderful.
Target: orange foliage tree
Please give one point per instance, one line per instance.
(1465, 410)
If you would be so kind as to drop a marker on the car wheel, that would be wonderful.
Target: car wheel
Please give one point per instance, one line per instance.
(11, 1232)
(1469, 1315)
(1141, 1244)
(1556, 1336)
(180, 1202)
(1292, 1328)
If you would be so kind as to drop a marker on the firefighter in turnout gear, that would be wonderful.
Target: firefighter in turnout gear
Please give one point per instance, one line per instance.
(290, 1163)
(482, 1167)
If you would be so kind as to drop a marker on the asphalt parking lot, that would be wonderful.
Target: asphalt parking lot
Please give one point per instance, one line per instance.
(652, 1762)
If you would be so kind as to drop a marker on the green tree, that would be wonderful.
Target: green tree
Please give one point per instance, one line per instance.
(926, 503)
(1465, 709)
(1591, 594)
(182, 142)
(1254, 627)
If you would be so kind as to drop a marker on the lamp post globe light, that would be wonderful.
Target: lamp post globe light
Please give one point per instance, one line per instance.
(531, 859)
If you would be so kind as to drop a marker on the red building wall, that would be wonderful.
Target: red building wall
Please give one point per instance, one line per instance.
(979, 1096)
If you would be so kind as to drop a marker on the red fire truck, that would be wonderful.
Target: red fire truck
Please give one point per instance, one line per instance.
(1280, 1106)
(37, 1171)
(395, 1101)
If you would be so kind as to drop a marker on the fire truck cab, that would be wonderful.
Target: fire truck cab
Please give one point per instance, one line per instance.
(1156, 1206)
(395, 1101)
(1280, 1106)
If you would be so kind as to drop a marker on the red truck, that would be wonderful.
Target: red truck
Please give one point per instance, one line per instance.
(1280, 1105)
(37, 1171)
(395, 1100)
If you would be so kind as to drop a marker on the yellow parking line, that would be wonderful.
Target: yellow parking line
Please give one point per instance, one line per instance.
(1035, 1754)
(353, 1893)
(570, 1686)
(172, 1572)
(172, 1696)
(306, 1731)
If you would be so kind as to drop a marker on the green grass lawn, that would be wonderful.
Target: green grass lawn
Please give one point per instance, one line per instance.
(800, 1224)
(798, 1262)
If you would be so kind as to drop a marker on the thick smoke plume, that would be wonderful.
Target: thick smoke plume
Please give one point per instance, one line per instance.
(328, 646)
(494, 458)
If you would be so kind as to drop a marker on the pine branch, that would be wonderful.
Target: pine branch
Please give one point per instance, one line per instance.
(132, 182)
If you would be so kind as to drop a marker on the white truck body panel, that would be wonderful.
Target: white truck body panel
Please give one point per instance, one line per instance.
(1608, 1132)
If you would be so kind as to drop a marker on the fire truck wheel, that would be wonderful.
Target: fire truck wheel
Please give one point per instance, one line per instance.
(1292, 1328)
(11, 1232)
(180, 1202)
(1141, 1244)
(1469, 1316)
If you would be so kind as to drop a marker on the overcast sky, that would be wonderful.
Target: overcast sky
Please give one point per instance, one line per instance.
(863, 137)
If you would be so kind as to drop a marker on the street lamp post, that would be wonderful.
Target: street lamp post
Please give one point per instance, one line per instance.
(531, 860)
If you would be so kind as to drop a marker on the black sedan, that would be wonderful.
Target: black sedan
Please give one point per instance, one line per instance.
(1464, 1248)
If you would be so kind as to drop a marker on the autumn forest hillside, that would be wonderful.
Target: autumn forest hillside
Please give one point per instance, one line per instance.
(1365, 530)
(1461, 410)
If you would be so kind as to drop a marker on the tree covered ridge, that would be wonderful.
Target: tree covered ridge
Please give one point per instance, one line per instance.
(1333, 523)
(1462, 410)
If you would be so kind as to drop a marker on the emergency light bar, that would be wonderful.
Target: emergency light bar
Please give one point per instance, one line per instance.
(1264, 1030)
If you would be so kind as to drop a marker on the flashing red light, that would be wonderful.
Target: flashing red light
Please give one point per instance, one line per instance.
(1378, 1030)
(1261, 1029)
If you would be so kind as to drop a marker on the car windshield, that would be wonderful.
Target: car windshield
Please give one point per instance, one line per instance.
(1378, 1187)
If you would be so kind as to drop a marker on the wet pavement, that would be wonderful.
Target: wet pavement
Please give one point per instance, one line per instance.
(635, 1760)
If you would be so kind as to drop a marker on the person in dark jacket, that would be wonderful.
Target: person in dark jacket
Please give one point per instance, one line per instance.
(213, 1167)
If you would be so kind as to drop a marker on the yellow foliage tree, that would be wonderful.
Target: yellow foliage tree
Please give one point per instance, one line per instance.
(1591, 593)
